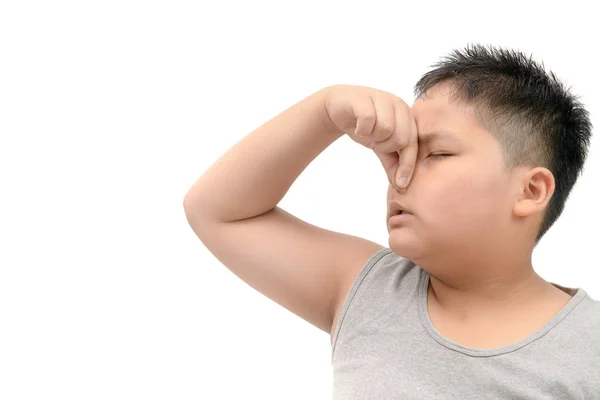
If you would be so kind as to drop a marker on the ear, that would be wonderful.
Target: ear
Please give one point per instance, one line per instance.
(536, 191)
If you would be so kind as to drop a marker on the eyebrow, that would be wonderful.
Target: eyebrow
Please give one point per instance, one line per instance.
(438, 135)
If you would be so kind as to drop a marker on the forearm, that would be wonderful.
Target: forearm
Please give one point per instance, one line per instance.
(254, 175)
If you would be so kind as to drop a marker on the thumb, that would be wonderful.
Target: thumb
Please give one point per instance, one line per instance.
(390, 162)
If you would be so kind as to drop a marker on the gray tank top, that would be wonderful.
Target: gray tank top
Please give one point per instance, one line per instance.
(385, 346)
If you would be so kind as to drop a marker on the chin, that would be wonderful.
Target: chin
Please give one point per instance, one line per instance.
(400, 246)
(406, 246)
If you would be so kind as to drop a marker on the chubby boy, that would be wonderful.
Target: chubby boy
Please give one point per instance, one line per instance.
(479, 168)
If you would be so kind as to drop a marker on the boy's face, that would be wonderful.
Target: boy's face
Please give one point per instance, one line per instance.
(460, 203)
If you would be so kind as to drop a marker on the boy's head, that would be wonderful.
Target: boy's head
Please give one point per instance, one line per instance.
(517, 141)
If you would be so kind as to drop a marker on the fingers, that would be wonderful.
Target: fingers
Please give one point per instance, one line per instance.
(386, 121)
(385, 124)
(389, 161)
(398, 154)
(365, 115)
(406, 125)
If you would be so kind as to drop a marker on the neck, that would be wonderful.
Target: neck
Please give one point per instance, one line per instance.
(501, 290)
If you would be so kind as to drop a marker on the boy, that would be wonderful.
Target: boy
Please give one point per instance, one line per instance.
(453, 308)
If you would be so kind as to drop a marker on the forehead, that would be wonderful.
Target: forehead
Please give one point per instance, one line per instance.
(435, 112)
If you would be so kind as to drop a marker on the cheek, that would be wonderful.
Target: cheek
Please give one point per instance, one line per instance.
(466, 201)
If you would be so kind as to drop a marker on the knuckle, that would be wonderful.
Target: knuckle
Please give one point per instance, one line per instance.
(399, 103)
(401, 141)
(368, 116)
(385, 126)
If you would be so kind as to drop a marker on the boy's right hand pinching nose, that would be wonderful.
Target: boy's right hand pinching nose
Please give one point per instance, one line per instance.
(380, 121)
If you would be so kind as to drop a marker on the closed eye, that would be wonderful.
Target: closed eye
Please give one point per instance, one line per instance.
(440, 155)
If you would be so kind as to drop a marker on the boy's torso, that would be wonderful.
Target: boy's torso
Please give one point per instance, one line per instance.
(386, 345)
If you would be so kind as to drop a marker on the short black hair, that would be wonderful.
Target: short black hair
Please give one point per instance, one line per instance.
(537, 121)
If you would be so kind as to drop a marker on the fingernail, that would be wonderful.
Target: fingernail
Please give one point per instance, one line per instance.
(403, 181)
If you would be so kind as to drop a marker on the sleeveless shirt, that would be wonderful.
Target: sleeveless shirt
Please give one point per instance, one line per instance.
(386, 347)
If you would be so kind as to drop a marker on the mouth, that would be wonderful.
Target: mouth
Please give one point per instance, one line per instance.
(400, 212)
(398, 219)
(396, 209)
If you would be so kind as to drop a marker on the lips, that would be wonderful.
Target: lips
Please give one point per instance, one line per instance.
(399, 220)
(397, 209)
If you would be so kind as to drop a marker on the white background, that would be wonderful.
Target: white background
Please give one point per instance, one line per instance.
(109, 111)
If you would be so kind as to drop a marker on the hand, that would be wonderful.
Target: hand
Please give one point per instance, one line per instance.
(380, 121)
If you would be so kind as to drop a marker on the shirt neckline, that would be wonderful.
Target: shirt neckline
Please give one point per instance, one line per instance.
(579, 295)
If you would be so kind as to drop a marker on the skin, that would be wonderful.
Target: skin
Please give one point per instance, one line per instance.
(473, 224)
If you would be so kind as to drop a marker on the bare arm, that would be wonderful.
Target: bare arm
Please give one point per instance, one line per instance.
(254, 175)
(233, 210)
